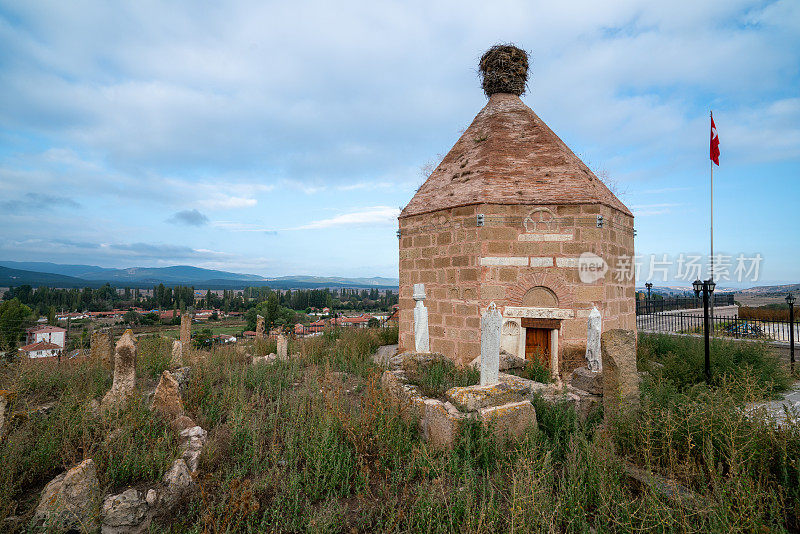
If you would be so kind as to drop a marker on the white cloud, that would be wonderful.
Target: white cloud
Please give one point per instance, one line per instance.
(372, 215)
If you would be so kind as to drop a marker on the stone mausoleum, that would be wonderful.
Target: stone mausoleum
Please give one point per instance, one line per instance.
(512, 216)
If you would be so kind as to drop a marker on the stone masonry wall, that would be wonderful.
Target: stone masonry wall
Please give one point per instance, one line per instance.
(465, 267)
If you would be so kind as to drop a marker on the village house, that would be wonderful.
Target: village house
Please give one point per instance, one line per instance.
(41, 349)
(54, 335)
(512, 216)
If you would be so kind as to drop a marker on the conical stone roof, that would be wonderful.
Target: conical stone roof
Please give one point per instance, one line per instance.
(508, 155)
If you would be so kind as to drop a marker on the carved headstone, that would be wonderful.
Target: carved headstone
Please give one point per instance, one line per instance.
(186, 329)
(177, 355)
(594, 329)
(490, 345)
(421, 337)
(124, 371)
(620, 379)
(259, 327)
(283, 347)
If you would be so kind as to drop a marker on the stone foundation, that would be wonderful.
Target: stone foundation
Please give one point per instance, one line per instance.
(504, 408)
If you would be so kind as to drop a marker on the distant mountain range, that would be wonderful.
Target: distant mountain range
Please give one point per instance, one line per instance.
(14, 273)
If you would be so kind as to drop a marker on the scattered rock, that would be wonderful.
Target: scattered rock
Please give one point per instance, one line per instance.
(167, 398)
(69, 501)
(126, 512)
(182, 375)
(271, 357)
(383, 354)
(181, 423)
(193, 441)
(177, 481)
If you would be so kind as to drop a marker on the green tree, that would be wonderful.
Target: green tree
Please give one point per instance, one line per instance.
(131, 317)
(13, 318)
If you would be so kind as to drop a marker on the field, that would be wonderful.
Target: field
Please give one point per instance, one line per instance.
(312, 445)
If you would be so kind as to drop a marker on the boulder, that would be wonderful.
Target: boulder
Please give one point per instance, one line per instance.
(588, 381)
(126, 512)
(69, 501)
(167, 398)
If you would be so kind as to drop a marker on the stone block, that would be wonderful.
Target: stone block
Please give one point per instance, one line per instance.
(441, 424)
(472, 398)
(588, 381)
(509, 421)
(620, 378)
(519, 261)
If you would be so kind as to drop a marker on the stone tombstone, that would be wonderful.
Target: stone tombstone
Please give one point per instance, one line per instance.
(167, 398)
(259, 327)
(177, 355)
(490, 345)
(620, 378)
(124, 370)
(186, 329)
(594, 329)
(5, 404)
(421, 337)
(100, 348)
(283, 347)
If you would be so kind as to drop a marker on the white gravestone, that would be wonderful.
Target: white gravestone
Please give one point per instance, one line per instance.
(422, 341)
(594, 328)
(490, 345)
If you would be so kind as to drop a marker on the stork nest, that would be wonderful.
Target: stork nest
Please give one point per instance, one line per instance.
(504, 69)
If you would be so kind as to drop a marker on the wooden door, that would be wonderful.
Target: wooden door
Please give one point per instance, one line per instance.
(537, 345)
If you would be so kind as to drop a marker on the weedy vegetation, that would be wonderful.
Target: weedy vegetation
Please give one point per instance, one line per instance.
(312, 445)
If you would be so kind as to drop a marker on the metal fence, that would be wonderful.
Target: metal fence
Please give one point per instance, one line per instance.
(730, 327)
(648, 306)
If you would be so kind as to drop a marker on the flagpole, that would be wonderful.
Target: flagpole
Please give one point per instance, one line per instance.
(711, 167)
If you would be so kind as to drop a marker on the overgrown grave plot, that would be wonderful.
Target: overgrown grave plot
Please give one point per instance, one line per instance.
(444, 398)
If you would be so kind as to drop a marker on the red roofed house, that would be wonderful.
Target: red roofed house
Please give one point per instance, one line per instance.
(47, 334)
(41, 349)
(510, 216)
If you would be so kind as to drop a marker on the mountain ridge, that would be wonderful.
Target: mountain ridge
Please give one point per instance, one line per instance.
(76, 275)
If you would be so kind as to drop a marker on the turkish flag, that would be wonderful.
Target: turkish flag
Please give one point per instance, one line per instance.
(714, 142)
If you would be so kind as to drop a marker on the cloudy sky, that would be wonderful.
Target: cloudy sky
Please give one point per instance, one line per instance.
(281, 138)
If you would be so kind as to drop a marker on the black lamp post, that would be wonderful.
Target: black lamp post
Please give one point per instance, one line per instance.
(707, 288)
(649, 286)
(790, 302)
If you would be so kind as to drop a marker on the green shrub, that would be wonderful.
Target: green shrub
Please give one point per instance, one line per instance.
(437, 377)
(534, 370)
(683, 361)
